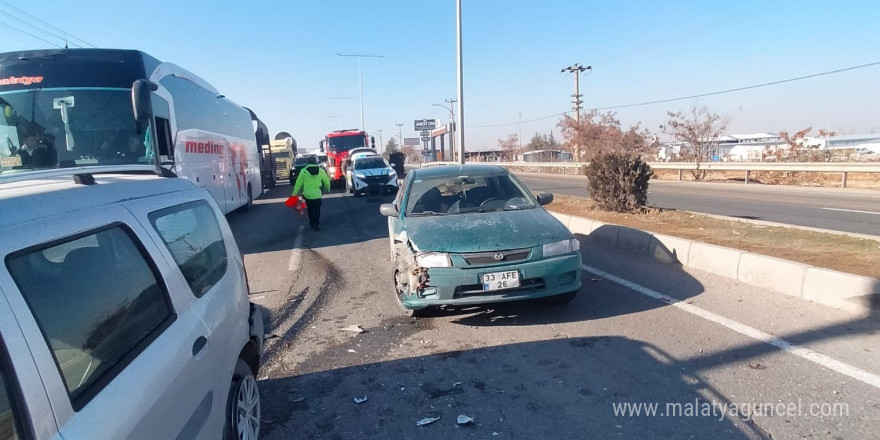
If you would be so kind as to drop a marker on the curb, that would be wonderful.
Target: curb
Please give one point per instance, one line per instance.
(852, 293)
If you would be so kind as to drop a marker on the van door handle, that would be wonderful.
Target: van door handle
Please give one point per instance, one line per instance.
(199, 345)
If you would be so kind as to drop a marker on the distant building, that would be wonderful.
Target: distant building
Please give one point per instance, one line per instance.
(546, 156)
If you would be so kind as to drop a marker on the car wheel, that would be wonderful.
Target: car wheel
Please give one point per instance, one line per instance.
(242, 405)
(400, 287)
(562, 298)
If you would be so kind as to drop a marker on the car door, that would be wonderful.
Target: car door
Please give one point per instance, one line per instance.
(120, 355)
(24, 408)
(194, 237)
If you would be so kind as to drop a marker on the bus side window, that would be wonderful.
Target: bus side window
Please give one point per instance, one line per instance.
(163, 138)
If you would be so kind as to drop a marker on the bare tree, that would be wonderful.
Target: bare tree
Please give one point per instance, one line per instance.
(509, 147)
(800, 149)
(699, 130)
(601, 133)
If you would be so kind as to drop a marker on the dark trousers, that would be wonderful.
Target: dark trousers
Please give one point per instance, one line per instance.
(314, 208)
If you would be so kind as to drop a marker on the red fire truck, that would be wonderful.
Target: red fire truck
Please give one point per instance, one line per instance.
(337, 144)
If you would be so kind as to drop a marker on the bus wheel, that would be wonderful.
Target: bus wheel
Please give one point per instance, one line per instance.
(250, 201)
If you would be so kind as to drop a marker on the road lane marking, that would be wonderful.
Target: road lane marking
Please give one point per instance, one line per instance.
(852, 210)
(296, 252)
(804, 353)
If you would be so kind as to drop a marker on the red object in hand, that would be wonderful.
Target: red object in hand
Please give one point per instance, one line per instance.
(296, 203)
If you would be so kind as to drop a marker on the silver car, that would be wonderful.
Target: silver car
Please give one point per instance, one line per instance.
(124, 312)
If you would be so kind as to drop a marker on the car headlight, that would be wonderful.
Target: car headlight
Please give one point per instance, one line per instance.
(360, 175)
(433, 259)
(562, 247)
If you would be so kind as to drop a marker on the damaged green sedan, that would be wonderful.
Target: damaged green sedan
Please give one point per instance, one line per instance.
(473, 234)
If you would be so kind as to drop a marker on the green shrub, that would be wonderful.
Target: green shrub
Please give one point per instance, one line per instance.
(619, 182)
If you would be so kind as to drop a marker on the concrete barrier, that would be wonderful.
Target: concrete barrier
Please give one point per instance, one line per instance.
(853, 293)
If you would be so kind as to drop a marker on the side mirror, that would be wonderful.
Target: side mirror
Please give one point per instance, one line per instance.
(388, 210)
(140, 103)
(545, 199)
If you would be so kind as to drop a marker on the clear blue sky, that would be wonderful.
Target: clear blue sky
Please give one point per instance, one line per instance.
(279, 58)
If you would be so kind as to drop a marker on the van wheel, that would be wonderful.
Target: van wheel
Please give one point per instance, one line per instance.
(242, 405)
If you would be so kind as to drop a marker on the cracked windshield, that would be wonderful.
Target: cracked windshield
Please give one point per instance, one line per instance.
(444, 219)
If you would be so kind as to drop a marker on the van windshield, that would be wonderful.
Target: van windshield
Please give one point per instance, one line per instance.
(52, 128)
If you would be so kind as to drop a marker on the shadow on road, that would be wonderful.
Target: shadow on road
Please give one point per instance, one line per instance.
(345, 219)
(562, 388)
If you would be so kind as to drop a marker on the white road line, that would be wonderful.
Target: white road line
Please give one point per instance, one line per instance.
(296, 252)
(805, 353)
(852, 210)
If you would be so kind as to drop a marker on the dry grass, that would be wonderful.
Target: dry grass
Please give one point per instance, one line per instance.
(837, 252)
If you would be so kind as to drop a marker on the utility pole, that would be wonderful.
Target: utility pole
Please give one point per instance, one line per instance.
(520, 132)
(400, 134)
(577, 69)
(381, 144)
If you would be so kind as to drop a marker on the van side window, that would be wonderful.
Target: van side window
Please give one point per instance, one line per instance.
(192, 235)
(98, 308)
(10, 415)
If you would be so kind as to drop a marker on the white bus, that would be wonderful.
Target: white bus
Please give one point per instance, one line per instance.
(99, 108)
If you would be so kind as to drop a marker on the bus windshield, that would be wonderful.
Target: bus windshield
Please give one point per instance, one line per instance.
(345, 143)
(68, 127)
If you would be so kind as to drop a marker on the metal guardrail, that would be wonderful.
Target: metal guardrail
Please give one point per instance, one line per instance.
(808, 167)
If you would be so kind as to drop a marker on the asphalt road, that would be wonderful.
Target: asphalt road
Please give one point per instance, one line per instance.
(639, 333)
(840, 209)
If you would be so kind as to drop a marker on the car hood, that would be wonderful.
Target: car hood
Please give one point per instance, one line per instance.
(488, 231)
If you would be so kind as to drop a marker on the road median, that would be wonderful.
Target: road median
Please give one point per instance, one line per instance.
(850, 292)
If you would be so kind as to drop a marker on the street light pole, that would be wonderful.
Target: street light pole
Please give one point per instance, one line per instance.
(451, 124)
(460, 131)
(360, 78)
(400, 133)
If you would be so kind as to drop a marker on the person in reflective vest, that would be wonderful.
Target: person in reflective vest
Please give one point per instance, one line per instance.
(313, 182)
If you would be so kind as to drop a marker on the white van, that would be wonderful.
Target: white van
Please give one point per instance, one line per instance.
(124, 311)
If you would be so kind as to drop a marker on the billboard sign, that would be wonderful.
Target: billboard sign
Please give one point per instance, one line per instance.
(425, 124)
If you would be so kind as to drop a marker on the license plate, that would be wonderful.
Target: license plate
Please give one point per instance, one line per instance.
(500, 280)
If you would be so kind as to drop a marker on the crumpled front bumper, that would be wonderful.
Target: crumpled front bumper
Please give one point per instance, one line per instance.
(462, 286)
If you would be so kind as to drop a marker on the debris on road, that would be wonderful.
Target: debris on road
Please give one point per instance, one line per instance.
(757, 366)
(464, 420)
(360, 400)
(427, 421)
(353, 328)
(351, 350)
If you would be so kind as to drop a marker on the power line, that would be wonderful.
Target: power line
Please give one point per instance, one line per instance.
(25, 13)
(8, 15)
(28, 33)
(661, 101)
